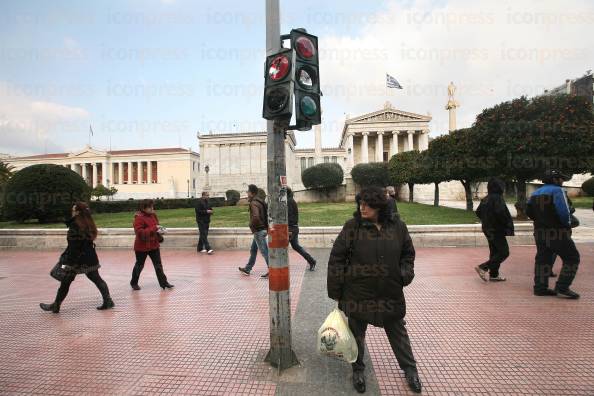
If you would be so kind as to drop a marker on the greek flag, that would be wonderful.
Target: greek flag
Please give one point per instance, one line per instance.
(391, 82)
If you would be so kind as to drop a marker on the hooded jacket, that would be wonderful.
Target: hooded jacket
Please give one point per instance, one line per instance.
(493, 212)
(145, 227)
(80, 254)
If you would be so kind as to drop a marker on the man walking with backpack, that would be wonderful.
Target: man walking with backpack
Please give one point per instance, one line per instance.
(203, 212)
(259, 227)
(497, 223)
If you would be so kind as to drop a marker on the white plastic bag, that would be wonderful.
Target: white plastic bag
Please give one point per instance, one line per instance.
(336, 339)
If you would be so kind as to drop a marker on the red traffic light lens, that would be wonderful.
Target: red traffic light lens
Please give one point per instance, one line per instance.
(277, 99)
(279, 68)
(305, 47)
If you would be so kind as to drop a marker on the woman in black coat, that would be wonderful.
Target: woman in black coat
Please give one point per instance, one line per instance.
(80, 257)
(371, 261)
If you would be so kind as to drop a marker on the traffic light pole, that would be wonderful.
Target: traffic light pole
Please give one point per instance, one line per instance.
(281, 353)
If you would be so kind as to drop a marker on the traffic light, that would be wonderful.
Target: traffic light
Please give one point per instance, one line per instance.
(278, 87)
(307, 79)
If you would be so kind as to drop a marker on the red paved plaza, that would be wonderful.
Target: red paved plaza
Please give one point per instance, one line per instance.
(209, 334)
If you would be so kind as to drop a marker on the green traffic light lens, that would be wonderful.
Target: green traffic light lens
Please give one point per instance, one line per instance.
(277, 99)
(308, 106)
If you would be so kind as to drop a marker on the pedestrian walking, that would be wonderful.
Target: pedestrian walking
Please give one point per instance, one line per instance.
(549, 210)
(391, 196)
(372, 260)
(203, 212)
(574, 224)
(497, 223)
(80, 257)
(259, 227)
(147, 243)
(293, 220)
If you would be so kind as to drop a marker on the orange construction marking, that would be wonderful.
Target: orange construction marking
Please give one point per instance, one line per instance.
(279, 236)
(278, 279)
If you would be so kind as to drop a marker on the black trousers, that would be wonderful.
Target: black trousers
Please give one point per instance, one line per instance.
(203, 236)
(155, 256)
(93, 277)
(498, 252)
(548, 243)
(294, 241)
(399, 341)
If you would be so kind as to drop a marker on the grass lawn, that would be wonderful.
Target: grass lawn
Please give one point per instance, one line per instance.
(310, 214)
(582, 202)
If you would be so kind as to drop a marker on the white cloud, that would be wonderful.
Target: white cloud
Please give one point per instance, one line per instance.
(493, 52)
(27, 126)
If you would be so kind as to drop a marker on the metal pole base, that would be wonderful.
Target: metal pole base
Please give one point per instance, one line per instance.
(282, 364)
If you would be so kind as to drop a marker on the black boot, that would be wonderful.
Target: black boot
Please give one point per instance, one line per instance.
(53, 307)
(414, 382)
(107, 304)
(359, 381)
(167, 285)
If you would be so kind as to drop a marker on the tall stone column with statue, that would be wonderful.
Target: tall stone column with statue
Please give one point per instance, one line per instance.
(452, 106)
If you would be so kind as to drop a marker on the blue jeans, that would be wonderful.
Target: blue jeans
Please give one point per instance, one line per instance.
(260, 242)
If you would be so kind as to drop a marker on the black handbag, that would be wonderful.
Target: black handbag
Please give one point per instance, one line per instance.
(60, 270)
(574, 221)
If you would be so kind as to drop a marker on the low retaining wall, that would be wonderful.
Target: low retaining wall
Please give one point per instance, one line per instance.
(241, 238)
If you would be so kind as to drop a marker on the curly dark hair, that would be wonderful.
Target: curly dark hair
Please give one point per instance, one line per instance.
(375, 198)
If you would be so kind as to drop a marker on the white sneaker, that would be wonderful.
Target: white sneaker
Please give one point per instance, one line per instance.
(210, 251)
(203, 251)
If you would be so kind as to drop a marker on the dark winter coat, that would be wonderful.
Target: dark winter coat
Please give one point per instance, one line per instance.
(369, 285)
(145, 227)
(202, 216)
(549, 209)
(80, 255)
(292, 213)
(493, 212)
(258, 215)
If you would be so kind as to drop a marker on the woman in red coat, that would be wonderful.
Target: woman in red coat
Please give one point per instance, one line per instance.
(146, 227)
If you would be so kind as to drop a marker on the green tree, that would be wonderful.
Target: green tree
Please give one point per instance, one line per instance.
(100, 191)
(525, 137)
(322, 176)
(371, 174)
(44, 192)
(429, 172)
(405, 168)
(232, 196)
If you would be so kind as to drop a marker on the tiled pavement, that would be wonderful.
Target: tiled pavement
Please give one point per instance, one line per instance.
(209, 334)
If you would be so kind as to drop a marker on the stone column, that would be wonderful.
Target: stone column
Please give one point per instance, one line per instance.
(84, 175)
(149, 172)
(130, 168)
(351, 151)
(365, 149)
(105, 174)
(394, 144)
(379, 147)
(94, 181)
(139, 172)
(411, 137)
(120, 172)
(425, 140)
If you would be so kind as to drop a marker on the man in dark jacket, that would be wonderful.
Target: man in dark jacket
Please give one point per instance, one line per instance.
(497, 223)
(370, 263)
(259, 227)
(391, 196)
(203, 213)
(549, 210)
(293, 220)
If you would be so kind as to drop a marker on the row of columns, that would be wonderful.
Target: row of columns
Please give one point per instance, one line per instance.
(423, 145)
(130, 165)
(91, 176)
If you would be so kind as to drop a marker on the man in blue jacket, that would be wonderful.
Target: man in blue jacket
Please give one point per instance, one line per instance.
(550, 211)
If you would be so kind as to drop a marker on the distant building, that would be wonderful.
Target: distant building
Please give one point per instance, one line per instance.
(583, 86)
(147, 173)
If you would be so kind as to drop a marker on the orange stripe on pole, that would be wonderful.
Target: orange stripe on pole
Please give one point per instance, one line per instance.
(278, 279)
(279, 236)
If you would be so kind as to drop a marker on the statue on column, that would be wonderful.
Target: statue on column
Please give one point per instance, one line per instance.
(452, 104)
(207, 185)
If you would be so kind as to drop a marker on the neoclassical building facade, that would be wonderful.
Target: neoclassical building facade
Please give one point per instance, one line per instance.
(142, 173)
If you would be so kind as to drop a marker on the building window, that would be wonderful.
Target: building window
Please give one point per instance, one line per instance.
(194, 184)
(193, 166)
(386, 156)
(155, 172)
(334, 160)
(310, 162)
(326, 160)
(303, 164)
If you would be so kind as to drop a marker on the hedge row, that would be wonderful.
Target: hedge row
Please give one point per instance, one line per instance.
(160, 204)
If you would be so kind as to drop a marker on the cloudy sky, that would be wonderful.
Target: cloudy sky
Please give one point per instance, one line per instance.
(151, 73)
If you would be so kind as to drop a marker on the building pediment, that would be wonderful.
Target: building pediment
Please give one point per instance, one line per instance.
(388, 115)
(87, 152)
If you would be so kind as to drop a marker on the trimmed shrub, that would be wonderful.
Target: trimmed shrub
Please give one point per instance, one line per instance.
(44, 192)
(371, 174)
(322, 176)
(588, 187)
(232, 197)
(131, 205)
